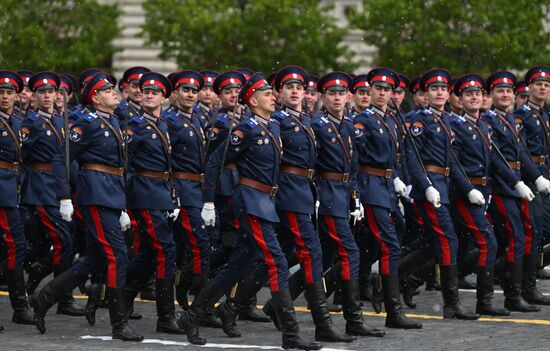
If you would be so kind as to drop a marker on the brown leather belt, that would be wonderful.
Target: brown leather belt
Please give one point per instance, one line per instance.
(514, 164)
(116, 171)
(42, 166)
(10, 166)
(386, 173)
(195, 177)
(264, 188)
(231, 166)
(153, 174)
(302, 172)
(439, 170)
(478, 180)
(539, 159)
(343, 177)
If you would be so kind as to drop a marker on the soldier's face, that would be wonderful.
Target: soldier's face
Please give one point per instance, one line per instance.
(502, 97)
(106, 99)
(455, 102)
(186, 98)
(25, 96)
(487, 101)
(228, 97)
(380, 96)
(437, 96)
(421, 98)
(7, 99)
(151, 99)
(311, 98)
(361, 99)
(134, 92)
(521, 100)
(471, 100)
(206, 95)
(538, 90)
(398, 96)
(45, 98)
(292, 95)
(263, 102)
(335, 101)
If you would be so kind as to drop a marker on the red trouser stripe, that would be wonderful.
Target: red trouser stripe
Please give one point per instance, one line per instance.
(501, 207)
(443, 240)
(56, 241)
(342, 252)
(385, 256)
(192, 239)
(157, 246)
(527, 225)
(268, 257)
(481, 242)
(303, 254)
(111, 258)
(229, 202)
(8, 238)
(135, 227)
(417, 214)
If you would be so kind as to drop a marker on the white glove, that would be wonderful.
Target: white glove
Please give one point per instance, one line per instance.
(208, 214)
(124, 221)
(66, 209)
(476, 197)
(543, 185)
(400, 187)
(317, 204)
(524, 191)
(174, 214)
(432, 195)
(356, 214)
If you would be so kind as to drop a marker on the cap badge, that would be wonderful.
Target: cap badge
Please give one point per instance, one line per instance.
(232, 80)
(384, 78)
(439, 78)
(338, 81)
(7, 80)
(294, 75)
(152, 81)
(45, 81)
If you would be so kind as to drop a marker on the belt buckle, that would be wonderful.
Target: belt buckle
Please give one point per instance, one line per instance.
(166, 176)
(15, 166)
(273, 191)
(518, 164)
(447, 171)
(483, 181)
(345, 178)
(201, 178)
(387, 173)
(310, 173)
(120, 171)
(543, 159)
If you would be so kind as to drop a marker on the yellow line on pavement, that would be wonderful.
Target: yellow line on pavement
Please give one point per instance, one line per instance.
(373, 314)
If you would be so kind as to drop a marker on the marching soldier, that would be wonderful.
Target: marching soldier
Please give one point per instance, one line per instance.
(312, 94)
(420, 97)
(100, 196)
(205, 109)
(254, 146)
(150, 198)
(11, 221)
(131, 106)
(522, 94)
(361, 96)
(25, 97)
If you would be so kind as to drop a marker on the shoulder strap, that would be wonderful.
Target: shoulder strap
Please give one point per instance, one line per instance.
(113, 130)
(50, 124)
(14, 137)
(341, 141)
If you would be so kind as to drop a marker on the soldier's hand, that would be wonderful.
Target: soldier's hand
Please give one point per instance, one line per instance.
(124, 221)
(400, 187)
(432, 195)
(543, 185)
(524, 191)
(173, 215)
(66, 209)
(208, 214)
(476, 197)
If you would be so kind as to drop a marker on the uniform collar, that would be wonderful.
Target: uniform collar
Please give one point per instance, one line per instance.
(183, 113)
(469, 117)
(499, 112)
(234, 115)
(333, 119)
(291, 111)
(102, 114)
(45, 114)
(377, 111)
(533, 106)
(435, 111)
(4, 115)
(134, 104)
(204, 107)
(149, 117)
(261, 120)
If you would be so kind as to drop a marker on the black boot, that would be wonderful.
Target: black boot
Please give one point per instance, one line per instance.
(364, 283)
(466, 267)
(94, 295)
(202, 304)
(183, 284)
(209, 320)
(228, 316)
(511, 284)
(49, 295)
(18, 299)
(67, 304)
(148, 290)
(284, 308)
(485, 305)
(324, 329)
(38, 271)
(376, 294)
(166, 322)
(118, 314)
(352, 311)
(409, 288)
(245, 300)
(395, 317)
(131, 290)
(452, 308)
(529, 289)
(269, 310)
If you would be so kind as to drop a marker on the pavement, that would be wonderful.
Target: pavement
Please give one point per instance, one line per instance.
(525, 331)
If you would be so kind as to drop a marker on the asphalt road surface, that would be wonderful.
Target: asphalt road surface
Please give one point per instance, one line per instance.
(525, 331)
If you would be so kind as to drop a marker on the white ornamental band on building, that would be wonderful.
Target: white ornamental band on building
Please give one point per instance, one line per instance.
(134, 52)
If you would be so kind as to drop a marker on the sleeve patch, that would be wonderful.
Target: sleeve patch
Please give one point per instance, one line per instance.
(237, 137)
(76, 134)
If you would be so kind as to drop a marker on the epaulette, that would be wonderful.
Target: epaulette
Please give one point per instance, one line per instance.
(123, 104)
(90, 117)
(368, 112)
(33, 116)
(458, 120)
(425, 112)
(222, 118)
(197, 108)
(348, 118)
(321, 121)
(251, 122)
(525, 108)
(137, 119)
(273, 120)
(171, 116)
(280, 115)
(490, 114)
